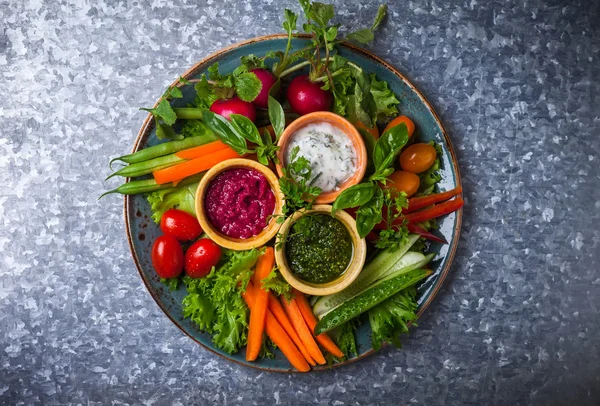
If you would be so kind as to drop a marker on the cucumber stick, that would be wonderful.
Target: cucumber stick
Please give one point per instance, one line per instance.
(370, 274)
(370, 298)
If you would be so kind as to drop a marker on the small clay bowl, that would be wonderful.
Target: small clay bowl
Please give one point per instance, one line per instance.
(237, 243)
(347, 128)
(321, 289)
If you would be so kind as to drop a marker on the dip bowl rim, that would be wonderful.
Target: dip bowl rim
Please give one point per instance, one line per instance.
(357, 262)
(239, 244)
(347, 128)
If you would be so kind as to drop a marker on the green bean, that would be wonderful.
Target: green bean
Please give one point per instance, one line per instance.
(188, 113)
(146, 167)
(136, 187)
(165, 148)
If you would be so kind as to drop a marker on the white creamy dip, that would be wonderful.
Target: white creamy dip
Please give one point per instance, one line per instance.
(330, 151)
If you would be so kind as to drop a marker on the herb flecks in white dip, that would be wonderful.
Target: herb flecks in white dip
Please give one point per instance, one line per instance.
(330, 152)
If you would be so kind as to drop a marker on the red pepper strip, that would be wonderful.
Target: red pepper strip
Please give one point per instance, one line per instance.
(417, 203)
(433, 212)
(412, 228)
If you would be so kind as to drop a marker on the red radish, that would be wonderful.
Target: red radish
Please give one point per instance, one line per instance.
(268, 80)
(306, 96)
(225, 107)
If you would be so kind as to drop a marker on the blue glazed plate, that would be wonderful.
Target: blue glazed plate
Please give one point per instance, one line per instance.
(141, 230)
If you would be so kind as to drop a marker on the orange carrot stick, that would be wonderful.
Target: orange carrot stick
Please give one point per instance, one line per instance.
(189, 168)
(278, 335)
(277, 310)
(293, 312)
(258, 313)
(202, 150)
(311, 321)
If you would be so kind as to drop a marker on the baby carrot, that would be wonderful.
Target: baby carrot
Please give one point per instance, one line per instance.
(259, 309)
(202, 150)
(293, 312)
(189, 168)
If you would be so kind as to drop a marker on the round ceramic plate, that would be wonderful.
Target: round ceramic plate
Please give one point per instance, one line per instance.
(142, 231)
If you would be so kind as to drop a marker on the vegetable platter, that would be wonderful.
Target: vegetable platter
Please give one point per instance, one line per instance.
(293, 202)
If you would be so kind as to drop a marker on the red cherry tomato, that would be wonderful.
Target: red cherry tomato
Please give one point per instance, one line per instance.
(180, 225)
(167, 256)
(201, 257)
(233, 106)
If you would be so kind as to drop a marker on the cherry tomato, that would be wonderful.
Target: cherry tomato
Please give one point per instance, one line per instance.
(167, 256)
(410, 126)
(373, 131)
(417, 158)
(201, 257)
(403, 181)
(180, 225)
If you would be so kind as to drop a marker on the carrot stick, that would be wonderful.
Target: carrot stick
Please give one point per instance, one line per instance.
(311, 321)
(293, 312)
(278, 335)
(277, 310)
(189, 168)
(258, 313)
(201, 150)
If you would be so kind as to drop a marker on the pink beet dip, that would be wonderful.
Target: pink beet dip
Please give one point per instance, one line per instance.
(238, 202)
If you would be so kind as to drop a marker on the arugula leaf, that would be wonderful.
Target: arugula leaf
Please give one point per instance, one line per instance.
(247, 86)
(362, 105)
(385, 100)
(181, 197)
(390, 319)
(275, 283)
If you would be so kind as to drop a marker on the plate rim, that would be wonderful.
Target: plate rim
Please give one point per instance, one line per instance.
(144, 132)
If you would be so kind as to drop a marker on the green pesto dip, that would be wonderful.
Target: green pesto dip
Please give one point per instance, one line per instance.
(318, 248)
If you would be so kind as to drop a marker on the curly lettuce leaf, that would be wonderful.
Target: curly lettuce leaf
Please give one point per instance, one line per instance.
(181, 197)
(385, 99)
(390, 319)
(275, 283)
(215, 303)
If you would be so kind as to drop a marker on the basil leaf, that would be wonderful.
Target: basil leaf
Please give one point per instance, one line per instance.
(354, 196)
(276, 116)
(245, 128)
(221, 127)
(369, 214)
(247, 86)
(388, 146)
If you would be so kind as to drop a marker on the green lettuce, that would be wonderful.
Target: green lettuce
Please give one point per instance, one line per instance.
(385, 99)
(181, 197)
(275, 283)
(390, 318)
(215, 304)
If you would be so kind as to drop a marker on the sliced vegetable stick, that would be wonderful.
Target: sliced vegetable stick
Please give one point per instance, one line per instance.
(416, 203)
(278, 335)
(189, 168)
(293, 312)
(202, 150)
(311, 321)
(277, 310)
(438, 210)
(258, 314)
(413, 228)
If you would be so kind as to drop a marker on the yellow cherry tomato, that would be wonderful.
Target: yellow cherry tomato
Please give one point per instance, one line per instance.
(403, 181)
(417, 158)
(410, 126)
(373, 131)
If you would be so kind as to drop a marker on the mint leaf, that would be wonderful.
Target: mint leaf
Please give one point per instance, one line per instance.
(289, 22)
(381, 13)
(363, 36)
